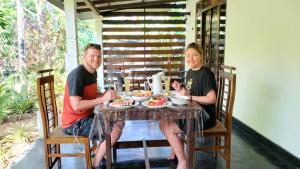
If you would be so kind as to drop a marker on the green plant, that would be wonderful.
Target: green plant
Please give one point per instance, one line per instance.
(19, 134)
(21, 94)
(3, 151)
(4, 98)
(20, 104)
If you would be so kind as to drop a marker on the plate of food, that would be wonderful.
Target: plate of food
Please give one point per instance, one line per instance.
(156, 102)
(141, 96)
(122, 103)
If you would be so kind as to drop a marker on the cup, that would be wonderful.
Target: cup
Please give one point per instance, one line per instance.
(167, 80)
(146, 86)
(127, 85)
(118, 87)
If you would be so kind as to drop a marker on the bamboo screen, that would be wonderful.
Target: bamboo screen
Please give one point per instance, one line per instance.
(144, 38)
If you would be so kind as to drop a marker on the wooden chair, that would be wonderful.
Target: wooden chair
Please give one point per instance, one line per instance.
(53, 133)
(221, 132)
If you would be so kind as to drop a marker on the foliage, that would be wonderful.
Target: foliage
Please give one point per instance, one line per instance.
(45, 37)
(19, 134)
(3, 153)
(21, 104)
(2, 20)
(85, 34)
(8, 50)
(4, 99)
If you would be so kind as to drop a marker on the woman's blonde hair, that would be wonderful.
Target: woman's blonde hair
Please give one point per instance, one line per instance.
(198, 48)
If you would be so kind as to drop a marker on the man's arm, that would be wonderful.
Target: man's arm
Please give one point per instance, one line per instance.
(79, 104)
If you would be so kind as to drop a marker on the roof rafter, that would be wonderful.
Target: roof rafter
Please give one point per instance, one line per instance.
(91, 5)
(134, 5)
(57, 3)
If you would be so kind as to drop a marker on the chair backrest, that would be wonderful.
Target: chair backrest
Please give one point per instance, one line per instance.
(226, 95)
(47, 101)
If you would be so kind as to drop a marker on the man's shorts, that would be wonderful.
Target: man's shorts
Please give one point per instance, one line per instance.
(81, 127)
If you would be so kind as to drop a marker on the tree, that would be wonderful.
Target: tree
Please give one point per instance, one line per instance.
(20, 33)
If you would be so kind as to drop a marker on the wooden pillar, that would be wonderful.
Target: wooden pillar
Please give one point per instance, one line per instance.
(71, 58)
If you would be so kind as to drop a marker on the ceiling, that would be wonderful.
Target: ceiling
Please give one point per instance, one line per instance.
(100, 6)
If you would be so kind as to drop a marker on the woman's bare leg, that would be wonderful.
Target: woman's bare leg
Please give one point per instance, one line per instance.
(171, 131)
(172, 155)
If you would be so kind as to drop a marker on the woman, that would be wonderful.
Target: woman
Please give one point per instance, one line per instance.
(203, 91)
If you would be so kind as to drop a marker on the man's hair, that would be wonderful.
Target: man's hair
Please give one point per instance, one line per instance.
(92, 45)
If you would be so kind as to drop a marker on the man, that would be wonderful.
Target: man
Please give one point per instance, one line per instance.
(80, 99)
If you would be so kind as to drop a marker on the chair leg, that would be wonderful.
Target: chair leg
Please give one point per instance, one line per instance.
(57, 148)
(47, 163)
(216, 143)
(114, 154)
(227, 150)
(88, 161)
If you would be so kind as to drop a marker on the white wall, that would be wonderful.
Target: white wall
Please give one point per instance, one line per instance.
(263, 42)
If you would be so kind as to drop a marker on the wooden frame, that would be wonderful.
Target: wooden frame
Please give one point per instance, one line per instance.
(222, 130)
(53, 134)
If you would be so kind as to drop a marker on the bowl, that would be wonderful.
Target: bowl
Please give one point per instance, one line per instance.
(179, 100)
(141, 96)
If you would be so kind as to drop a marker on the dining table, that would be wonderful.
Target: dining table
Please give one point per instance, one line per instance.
(193, 112)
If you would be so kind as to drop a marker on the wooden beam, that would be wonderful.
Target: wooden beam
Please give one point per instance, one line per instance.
(165, 44)
(141, 52)
(136, 5)
(164, 29)
(57, 3)
(124, 7)
(133, 5)
(144, 21)
(97, 2)
(146, 59)
(142, 13)
(141, 37)
(91, 5)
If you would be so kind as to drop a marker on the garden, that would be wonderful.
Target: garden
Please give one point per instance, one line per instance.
(32, 38)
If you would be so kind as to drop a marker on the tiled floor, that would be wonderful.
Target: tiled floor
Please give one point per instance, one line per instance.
(245, 154)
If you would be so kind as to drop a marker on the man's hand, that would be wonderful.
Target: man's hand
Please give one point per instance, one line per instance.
(108, 95)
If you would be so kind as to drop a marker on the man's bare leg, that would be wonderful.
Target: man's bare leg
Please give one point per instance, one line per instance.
(101, 149)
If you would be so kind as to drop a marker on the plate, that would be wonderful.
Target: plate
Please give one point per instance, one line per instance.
(121, 107)
(156, 107)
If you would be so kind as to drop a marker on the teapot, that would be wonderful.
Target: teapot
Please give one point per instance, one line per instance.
(156, 84)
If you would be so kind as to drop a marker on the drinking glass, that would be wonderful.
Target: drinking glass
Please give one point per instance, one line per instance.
(127, 85)
(167, 80)
(146, 86)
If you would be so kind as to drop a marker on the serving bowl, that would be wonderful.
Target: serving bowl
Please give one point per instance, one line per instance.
(179, 100)
(140, 96)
